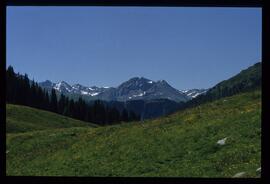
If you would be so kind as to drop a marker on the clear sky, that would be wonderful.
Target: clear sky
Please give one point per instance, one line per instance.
(105, 46)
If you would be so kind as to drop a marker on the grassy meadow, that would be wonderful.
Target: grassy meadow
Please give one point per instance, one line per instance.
(183, 144)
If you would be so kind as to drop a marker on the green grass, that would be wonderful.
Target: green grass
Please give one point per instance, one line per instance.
(23, 119)
(182, 144)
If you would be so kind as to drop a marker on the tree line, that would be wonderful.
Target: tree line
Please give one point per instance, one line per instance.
(22, 91)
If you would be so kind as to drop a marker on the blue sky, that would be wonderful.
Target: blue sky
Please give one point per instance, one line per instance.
(105, 46)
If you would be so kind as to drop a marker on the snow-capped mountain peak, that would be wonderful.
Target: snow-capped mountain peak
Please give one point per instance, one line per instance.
(62, 87)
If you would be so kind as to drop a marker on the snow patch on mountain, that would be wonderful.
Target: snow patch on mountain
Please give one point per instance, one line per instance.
(193, 93)
(84, 93)
(94, 94)
(138, 95)
(57, 86)
(194, 96)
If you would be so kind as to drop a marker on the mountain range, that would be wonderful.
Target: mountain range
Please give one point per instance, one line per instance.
(136, 88)
(150, 99)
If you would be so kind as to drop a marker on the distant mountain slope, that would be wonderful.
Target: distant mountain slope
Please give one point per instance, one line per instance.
(23, 118)
(144, 89)
(246, 80)
(184, 144)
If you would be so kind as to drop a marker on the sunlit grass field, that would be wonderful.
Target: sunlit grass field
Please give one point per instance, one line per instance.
(183, 144)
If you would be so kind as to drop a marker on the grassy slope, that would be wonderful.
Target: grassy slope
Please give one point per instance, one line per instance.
(183, 144)
(23, 119)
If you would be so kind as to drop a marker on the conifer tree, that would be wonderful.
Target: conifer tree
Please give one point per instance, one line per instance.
(61, 104)
(124, 115)
(53, 101)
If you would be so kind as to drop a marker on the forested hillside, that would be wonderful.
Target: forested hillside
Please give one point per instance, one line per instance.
(20, 90)
(247, 80)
